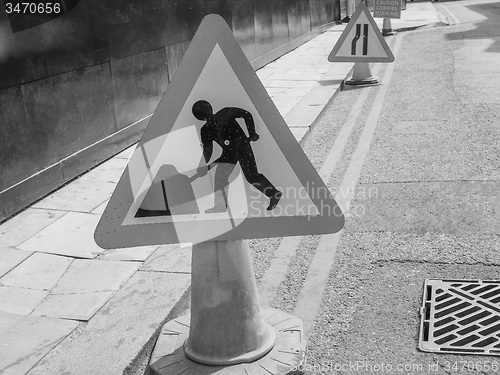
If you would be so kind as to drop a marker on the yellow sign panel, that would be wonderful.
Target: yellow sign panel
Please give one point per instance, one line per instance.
(361, 41)
(216, 161)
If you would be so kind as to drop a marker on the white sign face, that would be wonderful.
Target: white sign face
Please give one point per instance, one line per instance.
(387, 8)
(361, 41)
(216, 161)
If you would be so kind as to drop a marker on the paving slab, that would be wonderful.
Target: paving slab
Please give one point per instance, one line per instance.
(321, 94)
(316, 69)
(10, 258)
(277, 90)
(24, 340)
(99, 210)
(79, 306)
(297, 76)
(86, 276)
(21, 227)
(79, 195)
(266, 71)
(15, 300)
(117, 333)
(291, 84)
(300, 132)
(136, 254)
(301, 116)
(336, 72)
(313, 60)
(285, 103)
(110, 171)
(170, 258)
(71, 235)
(296, 92)
(40, 271)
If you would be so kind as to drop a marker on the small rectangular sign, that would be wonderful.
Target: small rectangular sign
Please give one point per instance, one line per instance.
(387, 8)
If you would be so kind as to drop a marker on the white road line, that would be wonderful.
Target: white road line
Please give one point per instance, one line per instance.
(272, 278)
(338, 147)
(274, 275)
(309, 300)
(270, 282)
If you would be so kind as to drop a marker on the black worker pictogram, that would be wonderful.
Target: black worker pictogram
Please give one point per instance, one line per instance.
(223, 129)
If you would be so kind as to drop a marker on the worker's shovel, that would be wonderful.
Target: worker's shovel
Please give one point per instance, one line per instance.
(171, 193)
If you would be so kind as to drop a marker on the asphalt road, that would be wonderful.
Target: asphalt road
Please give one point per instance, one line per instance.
(419, 171)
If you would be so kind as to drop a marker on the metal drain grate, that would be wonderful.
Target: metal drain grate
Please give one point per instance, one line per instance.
(460, 316)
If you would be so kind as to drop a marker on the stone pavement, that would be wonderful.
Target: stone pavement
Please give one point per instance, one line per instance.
(70, 307)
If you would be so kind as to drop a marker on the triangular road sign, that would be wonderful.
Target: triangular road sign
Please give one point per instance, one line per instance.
(361, 41)
(232, 173)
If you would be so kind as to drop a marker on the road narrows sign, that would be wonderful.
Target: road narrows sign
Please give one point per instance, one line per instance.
(361, 41)
(216, 161)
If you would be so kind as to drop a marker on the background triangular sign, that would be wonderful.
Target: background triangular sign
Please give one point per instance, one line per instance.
(378, 50)
(213, 33)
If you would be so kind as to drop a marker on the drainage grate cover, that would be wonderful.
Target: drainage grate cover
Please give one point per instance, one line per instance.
(460, 316)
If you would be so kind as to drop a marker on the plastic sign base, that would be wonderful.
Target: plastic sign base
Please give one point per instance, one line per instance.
(361, 75)
(387, 27)
(287, 357)
(364, 81)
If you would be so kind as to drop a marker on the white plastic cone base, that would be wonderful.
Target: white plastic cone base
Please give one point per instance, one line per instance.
(247, 357)
(226, 322)
(287, 357)
(226, 327)
(361, 75)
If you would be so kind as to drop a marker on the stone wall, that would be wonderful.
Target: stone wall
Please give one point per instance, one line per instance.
(79, 86)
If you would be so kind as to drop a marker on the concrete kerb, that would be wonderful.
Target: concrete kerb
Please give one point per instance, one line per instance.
(327, 103)
(316, 98)
(445, 16)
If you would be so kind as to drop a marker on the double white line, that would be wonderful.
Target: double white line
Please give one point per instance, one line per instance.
(309, 299)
